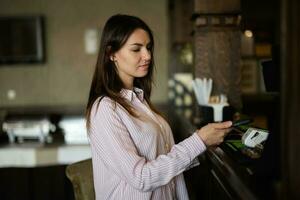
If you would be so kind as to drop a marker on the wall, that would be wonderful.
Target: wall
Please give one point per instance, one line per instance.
(65, 77)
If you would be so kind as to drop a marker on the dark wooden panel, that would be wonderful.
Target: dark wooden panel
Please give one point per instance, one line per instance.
(45, 183)
(290, 95)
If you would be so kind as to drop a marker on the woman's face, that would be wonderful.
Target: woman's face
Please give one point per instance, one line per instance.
(133, 59)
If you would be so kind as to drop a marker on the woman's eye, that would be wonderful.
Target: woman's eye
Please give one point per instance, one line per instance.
(136, 50)
(149, 47)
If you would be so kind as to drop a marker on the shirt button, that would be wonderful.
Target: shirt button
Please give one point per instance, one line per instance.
(167, 146)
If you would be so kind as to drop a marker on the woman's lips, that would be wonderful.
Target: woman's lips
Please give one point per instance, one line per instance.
(144, 67)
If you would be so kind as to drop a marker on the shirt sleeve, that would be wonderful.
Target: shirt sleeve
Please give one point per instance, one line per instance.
(111, 140)
(195, 162)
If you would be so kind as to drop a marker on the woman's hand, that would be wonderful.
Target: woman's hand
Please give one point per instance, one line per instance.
(213, 134)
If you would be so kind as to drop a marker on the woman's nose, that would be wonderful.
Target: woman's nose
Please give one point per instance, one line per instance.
(146, 55)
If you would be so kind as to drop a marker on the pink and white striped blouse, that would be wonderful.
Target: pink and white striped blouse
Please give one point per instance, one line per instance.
(136, 158)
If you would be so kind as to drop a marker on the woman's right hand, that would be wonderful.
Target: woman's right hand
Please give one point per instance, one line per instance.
(213, 134)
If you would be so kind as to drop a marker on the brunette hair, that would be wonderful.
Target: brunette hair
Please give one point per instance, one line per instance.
(106, 81)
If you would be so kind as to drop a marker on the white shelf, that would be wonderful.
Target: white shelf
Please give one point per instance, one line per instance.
(38, 155)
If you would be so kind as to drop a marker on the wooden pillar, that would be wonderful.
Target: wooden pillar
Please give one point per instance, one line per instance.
(290, 97)
(217, 46)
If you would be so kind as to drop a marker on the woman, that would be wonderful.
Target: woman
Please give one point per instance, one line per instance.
(133, 150)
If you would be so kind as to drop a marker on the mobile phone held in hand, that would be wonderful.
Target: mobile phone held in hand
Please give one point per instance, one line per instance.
(241, 122)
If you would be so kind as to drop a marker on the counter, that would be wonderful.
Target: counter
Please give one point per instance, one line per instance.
(221, 175)
(38, 155)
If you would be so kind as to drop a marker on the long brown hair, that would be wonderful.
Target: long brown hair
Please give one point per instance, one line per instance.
(106, 81)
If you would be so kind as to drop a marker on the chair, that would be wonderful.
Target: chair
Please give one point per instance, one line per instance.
(81, 177)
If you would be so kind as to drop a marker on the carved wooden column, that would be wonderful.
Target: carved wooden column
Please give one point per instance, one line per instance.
(217, 46)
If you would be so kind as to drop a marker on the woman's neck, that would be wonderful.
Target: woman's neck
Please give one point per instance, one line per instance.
(128, 85)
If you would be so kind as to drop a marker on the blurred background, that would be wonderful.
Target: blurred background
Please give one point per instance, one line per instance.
(47, 57)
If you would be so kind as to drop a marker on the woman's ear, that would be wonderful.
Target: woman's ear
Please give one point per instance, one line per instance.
(112, 58)
(108, 52)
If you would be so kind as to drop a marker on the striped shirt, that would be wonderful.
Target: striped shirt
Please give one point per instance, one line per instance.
(136, 158)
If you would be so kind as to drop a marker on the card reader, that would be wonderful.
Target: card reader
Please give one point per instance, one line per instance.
(254, 136)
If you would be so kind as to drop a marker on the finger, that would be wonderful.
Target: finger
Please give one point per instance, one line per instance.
(222, 125)
(222, 132)
(228, 130)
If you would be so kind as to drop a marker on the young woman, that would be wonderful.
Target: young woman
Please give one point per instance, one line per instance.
(133, 150)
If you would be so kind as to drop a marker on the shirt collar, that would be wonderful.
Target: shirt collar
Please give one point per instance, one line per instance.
(130, 94)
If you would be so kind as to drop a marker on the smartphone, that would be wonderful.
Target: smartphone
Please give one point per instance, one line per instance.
(241, 122)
